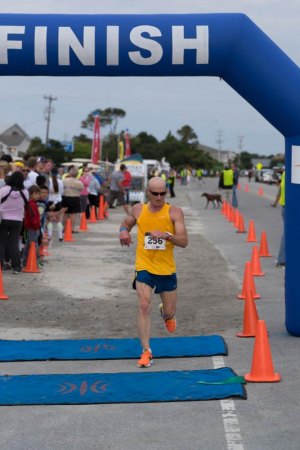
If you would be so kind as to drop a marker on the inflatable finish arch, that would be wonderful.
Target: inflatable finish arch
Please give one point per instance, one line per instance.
(229, 46)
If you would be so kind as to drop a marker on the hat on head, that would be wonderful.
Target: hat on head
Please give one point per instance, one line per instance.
(19, 164)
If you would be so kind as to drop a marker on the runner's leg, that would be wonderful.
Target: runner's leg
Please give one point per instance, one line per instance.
(144, 293)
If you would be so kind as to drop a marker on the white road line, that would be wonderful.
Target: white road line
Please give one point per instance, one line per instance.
(230, 420)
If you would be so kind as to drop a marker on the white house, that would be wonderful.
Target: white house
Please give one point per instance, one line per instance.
(222, 156)
(13, 140)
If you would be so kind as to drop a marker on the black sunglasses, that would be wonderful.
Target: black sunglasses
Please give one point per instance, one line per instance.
(156, 194)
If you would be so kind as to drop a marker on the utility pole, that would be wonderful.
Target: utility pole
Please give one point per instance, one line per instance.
(240, 147)
(47, 113)
(219, 142)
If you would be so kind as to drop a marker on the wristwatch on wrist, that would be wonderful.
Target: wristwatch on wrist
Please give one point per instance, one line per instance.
(169, 236)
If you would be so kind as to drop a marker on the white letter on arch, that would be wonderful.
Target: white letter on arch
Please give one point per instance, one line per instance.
(112, 46)
(67, 39)
(147, 44)
(5, 44)
(180, 44)
(40, 46)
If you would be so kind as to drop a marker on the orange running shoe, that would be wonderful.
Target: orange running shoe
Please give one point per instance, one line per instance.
(146, 358)
(171, 323)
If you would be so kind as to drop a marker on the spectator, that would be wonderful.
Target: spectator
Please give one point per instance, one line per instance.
(235, 184)
(116, 188)
(94, 190)
(85, 179)
(12, 206)
(281, 199)
(55, 210)
(171, 183)
(32, 222)
(32, 175)
(71, 197)
(126, 185)
(4, 169)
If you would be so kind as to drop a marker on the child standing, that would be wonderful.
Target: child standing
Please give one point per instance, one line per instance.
(32, 222)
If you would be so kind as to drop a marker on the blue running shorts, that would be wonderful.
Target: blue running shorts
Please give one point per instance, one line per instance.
(160, 283)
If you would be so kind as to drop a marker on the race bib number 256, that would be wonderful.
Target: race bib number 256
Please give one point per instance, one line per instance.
(154, 244)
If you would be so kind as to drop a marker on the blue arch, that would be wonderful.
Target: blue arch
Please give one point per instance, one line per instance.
(229, 46)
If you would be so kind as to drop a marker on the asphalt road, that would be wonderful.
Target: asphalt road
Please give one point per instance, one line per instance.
(267, 420)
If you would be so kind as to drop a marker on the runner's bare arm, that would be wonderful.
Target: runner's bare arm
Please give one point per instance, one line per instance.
(180, 237)
(128, 223)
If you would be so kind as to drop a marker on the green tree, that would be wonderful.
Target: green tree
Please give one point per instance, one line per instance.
(54, 150)
(108, 117)
(245, 160)
(187, 134)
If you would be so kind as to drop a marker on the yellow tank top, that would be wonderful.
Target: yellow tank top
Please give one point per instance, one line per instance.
(160, 261)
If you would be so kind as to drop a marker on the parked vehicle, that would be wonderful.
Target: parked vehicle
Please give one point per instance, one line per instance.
(267, 177)
(259, 174)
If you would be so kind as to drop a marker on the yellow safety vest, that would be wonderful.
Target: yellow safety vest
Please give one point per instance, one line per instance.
(228, 177)
(282, 190)
(158, 262)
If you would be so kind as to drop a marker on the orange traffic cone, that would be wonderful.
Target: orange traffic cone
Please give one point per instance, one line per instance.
(44, 250)
(31, 263)
(250, 317)
(83, 224)
(255, 263)
(68, 237)
(232, 215)
(263, 249)
(239, 186)
(224, 206)
(101, 208)
(241, 226)
(248, 283)
(260, 191)
(106, 213)
(236, 219)
(229, 208)
(262, 369)
(247, 188)
(93, 215)
(251, 233)
(3, 296)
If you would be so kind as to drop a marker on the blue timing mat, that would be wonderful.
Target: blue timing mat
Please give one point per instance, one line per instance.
(142, 387)
(127, 348)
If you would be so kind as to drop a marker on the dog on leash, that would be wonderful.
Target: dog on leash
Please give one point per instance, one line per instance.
(216, 199)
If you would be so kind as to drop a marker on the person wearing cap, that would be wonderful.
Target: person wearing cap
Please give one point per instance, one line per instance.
(226, 182)
(17, 166)
(117, 190)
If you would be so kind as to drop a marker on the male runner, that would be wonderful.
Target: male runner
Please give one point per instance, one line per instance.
(160, 227)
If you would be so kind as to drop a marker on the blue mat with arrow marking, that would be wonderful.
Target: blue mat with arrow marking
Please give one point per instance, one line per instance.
(126, 348)
(141, 387)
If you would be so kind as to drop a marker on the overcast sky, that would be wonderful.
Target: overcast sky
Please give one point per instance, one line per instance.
(155, 105)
